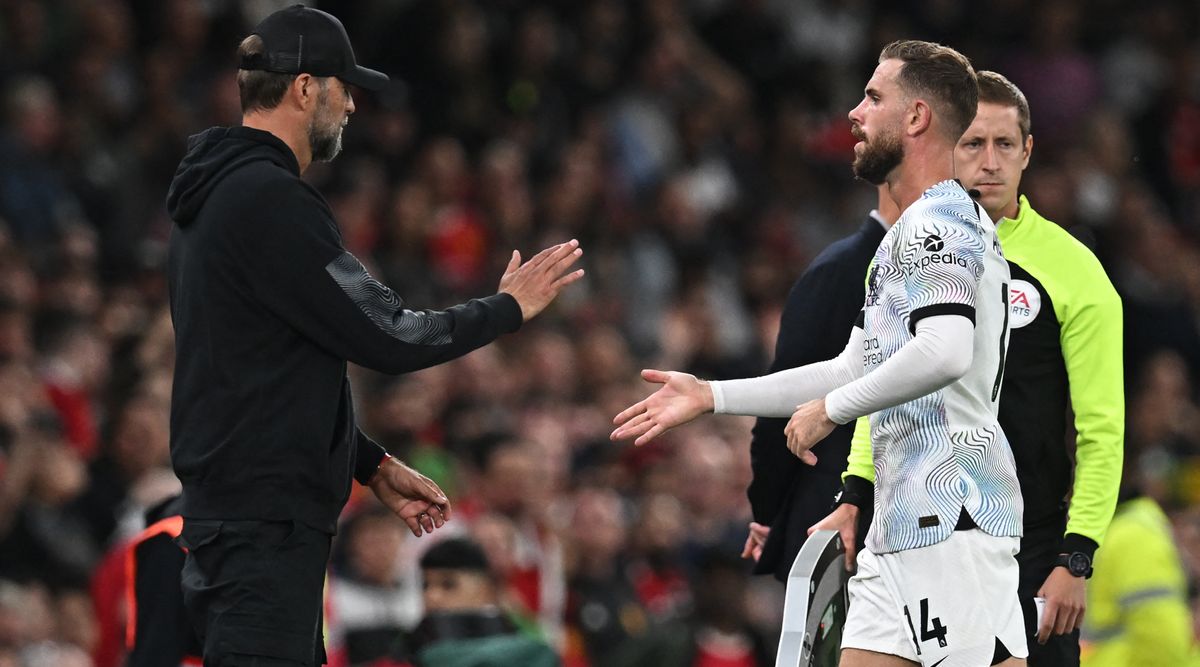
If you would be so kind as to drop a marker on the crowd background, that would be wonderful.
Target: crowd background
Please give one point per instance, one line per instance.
(699, 150)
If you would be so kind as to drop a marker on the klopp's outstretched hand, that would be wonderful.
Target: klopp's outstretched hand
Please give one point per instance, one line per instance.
(411, 495)
(681, 399)
(535, 283)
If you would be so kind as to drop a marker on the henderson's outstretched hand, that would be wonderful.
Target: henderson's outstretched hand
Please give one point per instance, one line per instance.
(681, 399)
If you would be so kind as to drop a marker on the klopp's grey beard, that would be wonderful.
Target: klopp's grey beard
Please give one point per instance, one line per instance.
(325, 142)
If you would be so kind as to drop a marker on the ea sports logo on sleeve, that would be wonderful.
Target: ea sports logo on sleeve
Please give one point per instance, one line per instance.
(1024, 303)
(933, 243)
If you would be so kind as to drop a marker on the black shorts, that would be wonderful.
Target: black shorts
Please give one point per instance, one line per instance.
(1039, 550)
(254, 590)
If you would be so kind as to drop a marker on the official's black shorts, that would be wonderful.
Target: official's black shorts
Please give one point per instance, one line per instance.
(1039, 550)
(254, 590)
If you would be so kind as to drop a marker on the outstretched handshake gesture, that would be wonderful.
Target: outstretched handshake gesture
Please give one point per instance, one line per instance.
(683, 397)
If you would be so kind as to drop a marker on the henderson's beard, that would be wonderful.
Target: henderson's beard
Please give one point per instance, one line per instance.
(324, 138)
(878, 158)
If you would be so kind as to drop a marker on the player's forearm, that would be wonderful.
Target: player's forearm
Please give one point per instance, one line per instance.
(1092, 350)
(939, 353)
(778, 394)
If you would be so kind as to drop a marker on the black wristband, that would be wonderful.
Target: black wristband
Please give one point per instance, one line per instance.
(856, 491)
(1074, 542)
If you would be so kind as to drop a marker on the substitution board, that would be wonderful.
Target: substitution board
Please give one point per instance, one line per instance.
(814, 608)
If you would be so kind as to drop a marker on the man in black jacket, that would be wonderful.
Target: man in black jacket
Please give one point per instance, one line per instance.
(787, 496)
(268, 309)
(158, 632)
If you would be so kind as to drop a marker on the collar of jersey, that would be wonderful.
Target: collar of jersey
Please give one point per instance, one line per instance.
(1025, 213)
(941, 185)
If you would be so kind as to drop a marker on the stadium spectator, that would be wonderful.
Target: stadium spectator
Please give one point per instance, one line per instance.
(372, 598)
(510, 481)
(1137, 602)
(464, 622)
(604, 609)
(157, 629)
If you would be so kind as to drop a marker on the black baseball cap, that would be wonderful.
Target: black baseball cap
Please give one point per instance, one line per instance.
(301, 40)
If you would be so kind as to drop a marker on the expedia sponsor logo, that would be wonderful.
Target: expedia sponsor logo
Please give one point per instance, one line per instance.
(935, 258)
(933, 243)
(872, 354)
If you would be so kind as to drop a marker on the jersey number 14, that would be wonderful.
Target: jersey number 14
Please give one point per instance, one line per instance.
(930, 628)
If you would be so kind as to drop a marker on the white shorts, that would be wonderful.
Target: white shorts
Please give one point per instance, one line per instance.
(943, 605)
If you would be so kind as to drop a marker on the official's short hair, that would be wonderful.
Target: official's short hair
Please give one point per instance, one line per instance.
(456, 553)
(259, 89)
(995, 88)
(941, 75)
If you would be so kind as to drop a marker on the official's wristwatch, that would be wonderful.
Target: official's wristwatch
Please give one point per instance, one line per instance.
(1077, 563)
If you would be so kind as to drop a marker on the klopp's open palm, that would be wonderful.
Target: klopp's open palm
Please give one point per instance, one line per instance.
(535, 283)
(681, 399)
(411, 495)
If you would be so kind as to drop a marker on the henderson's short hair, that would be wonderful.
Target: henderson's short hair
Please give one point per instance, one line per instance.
(259, 89)
(941, 75)
(995, 88)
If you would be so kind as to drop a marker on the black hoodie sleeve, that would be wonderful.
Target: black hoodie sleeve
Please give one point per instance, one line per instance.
(301, 273)
(368, 458)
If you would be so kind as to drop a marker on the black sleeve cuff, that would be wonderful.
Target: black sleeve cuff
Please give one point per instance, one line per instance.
(1073, 542)
(940, 309)
(858, 492)
(508, 311)
(368, 458)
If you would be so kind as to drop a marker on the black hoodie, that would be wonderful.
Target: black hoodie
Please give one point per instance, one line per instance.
(268, 308)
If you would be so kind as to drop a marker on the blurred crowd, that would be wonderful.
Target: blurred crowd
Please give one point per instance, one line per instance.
(698, 149)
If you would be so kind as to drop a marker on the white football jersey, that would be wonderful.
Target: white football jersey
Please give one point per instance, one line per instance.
(944, 451)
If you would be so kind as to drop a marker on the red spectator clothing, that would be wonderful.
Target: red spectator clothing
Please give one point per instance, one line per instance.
(114, 597)
(574, 652)
(1184, 144)
(108, 588)
(663, 592)
(715, 649)
(705, 658)
(459, 248)
(74, 406)
(536, 577)
(157, 629)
